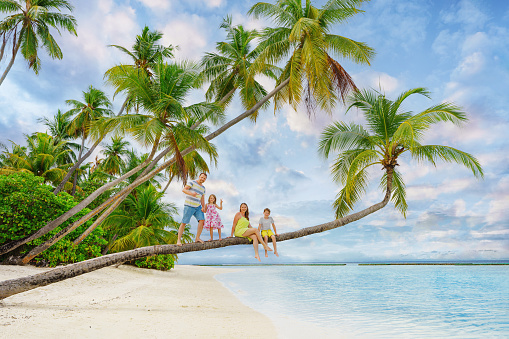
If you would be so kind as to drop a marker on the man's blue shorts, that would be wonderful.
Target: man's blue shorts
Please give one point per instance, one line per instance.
(190, 211)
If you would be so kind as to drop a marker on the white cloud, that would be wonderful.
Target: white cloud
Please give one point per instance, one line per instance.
(465, 13)
(188, 32)
(156, 5)
(430, 192)
(471, 64)
(301, 123)
(378, 81)
(221, 188)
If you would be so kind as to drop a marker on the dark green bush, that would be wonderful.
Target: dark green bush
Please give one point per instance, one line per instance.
(162, 262)
(26, 205)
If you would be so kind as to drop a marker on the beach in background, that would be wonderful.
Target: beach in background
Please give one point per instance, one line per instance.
(129, 302)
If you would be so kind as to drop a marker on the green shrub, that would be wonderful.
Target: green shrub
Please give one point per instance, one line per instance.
(26, 205)
(162, 262)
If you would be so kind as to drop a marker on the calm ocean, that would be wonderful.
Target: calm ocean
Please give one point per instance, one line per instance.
(355, 301)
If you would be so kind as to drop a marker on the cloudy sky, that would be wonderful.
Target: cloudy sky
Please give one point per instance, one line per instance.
(457, 49)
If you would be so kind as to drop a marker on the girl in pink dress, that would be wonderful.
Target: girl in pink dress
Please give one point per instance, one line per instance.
(212, 218)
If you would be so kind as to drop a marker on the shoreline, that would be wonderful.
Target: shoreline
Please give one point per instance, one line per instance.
(130, 302)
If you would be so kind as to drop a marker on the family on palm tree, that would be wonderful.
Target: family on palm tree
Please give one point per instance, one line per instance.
(194, 205)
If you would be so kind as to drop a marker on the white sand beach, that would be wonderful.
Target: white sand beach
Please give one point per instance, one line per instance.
(128, 302)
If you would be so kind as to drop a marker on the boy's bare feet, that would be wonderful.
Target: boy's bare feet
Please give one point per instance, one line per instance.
(257, 257)
(267, 248)
(266, 254)
(179, 243)
(277, 254)
(200, 241)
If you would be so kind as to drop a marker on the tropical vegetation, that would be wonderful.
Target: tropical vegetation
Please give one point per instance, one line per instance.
(116, 205)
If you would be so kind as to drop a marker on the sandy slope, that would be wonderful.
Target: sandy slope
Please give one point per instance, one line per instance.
(127, 302)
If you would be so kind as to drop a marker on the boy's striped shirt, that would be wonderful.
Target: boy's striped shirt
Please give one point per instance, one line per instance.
(197, 188)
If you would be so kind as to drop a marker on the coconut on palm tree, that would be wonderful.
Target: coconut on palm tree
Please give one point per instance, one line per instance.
(27, 26)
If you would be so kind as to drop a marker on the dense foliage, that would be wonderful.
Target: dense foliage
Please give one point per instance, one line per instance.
(26, 204)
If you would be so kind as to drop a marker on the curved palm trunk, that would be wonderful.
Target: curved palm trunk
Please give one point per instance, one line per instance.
(9, 66)
(80, 159)
(19, 285)
(76, 165)
(58, 221)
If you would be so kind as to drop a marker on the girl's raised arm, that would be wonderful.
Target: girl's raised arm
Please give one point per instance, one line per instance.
(221, 206)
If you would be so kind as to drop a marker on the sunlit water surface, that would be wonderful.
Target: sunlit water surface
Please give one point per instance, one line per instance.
(377, 301)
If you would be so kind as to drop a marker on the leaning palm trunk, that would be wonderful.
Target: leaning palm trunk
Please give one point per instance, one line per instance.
(61, 219)
(75, 166)
(9, 66)
(19, 285)
(81, 159)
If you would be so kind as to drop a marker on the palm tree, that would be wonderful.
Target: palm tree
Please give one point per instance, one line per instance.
(145, 54)
(42, 157)
(230, 68)
(142, 221)
(303, 33)
(94, 106)
(391, 133)
(113, 162)
(28, 26)
(59, 130)
(161, 97)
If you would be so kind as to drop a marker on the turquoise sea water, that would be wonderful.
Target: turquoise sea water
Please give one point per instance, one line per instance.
(355, 301)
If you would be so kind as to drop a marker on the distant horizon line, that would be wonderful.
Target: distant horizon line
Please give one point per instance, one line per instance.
(373, 263)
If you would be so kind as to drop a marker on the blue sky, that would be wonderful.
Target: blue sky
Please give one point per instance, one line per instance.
(456, 49)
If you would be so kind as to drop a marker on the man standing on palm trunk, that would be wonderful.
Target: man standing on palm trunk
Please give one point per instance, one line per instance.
(194, 205)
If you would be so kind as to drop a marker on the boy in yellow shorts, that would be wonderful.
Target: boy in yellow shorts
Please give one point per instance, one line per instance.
(265, 222)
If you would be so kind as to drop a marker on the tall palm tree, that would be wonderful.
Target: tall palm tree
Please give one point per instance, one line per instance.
(230, 68)
(161, 97)
(42, 157)
(194, 163)
(145, 54)
(113, 162)
(303, 33)
(94, 106)
(27, 26)
(391, 133)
